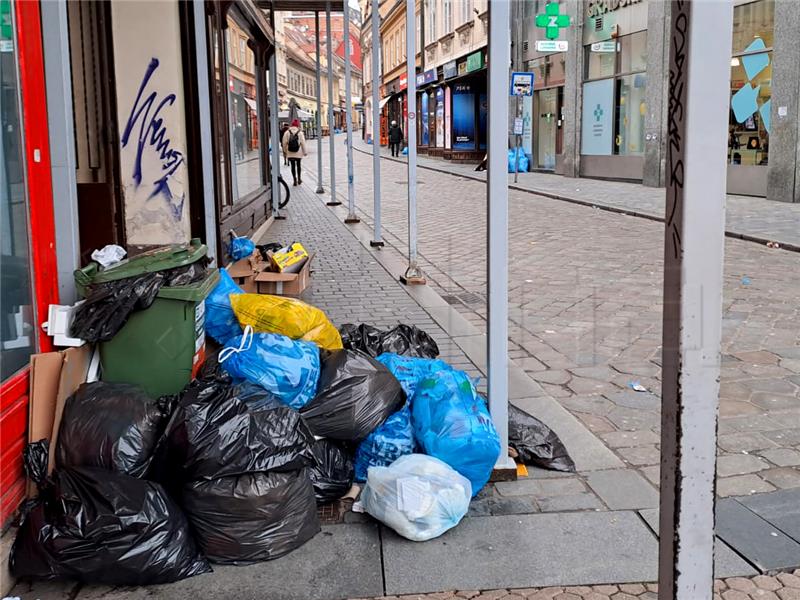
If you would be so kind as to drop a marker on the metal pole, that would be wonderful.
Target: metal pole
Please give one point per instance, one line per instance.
(348, 113)
(413, 274)
(497, 198)
(376, 128)
(273, 133)
(331, 142)
(516, 153)
(320, 189)
(699, 80)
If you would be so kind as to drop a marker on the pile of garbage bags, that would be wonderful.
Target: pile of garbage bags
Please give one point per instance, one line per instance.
(284, 416)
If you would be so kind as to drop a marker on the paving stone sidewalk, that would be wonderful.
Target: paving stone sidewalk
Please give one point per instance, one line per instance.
(748, 217)
(785, 586)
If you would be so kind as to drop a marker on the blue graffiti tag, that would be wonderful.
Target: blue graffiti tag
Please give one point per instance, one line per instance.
(153, 133)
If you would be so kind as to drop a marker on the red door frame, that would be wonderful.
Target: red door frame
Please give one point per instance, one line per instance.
(44, 271)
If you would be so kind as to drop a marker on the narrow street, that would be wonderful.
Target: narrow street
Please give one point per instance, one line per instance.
(585, 316)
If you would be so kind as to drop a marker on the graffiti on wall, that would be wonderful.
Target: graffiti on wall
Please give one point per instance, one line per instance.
(148, 128)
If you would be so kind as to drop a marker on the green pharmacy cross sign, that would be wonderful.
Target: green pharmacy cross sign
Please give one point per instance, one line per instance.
(598, 113)
(552, 22)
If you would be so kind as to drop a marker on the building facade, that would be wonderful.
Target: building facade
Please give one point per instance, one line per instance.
(599, 109)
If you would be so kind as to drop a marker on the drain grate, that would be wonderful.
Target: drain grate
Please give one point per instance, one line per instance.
(463, 298)
(333, 513)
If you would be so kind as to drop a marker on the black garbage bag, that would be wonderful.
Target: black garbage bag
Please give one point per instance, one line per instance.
(535, 443)
(253, 517)
(406, 340)
(113, 426)
(355, 394)
(219, 430)
(34, 458)
(98, 526)
(332, 473)
(109, 305)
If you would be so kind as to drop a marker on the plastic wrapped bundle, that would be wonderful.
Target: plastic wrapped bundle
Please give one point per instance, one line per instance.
(332, 473)
(418, 496)
(113, 426)
(286, 316)
(98, 526)
(221, 321)
(288, 369)
(241, 247)
(218, 430)
(409, 371)
(251, 518)
(452, 423)
(393, 439)
(355, 395)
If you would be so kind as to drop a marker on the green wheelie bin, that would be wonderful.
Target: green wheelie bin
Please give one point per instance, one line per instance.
(159, 348)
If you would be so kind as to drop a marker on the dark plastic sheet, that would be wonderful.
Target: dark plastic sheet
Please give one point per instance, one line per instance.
(535, 443)
(332, 473)
(406, 340)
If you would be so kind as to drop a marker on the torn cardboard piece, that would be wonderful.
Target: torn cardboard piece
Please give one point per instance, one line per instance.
(255, 277)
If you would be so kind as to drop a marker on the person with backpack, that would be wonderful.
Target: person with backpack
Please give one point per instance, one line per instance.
(294, 147)
(395, 138)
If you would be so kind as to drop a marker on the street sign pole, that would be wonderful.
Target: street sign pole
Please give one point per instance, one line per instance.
(413, 274)
(694, 228)
(334, 201)
(351, 194)
(320, 189)
(516, 153)
(275, 167)
(497, 201)
(376, 127)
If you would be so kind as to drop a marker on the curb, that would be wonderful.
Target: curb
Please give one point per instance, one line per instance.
(614, 209)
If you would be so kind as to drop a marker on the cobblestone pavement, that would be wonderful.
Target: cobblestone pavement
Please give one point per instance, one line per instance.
(785, 586)
(747, 216)
(585, 321)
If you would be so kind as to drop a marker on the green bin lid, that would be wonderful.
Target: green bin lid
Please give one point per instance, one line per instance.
(158, 259)
(194, 292)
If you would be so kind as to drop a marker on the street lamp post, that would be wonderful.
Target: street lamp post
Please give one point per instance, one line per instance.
(320, 189)
(376, 128)
(348, 112)
(331, 142)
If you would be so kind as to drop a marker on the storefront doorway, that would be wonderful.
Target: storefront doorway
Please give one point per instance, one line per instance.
(547, 129)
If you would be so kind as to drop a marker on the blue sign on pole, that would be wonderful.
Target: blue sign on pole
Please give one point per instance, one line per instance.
(521, 84)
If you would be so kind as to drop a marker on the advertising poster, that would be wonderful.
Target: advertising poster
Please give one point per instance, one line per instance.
(440, 118)
(447, 124)
(425, 125)
(463, 117)
(527, 125)
(483, 115)
(597, 121)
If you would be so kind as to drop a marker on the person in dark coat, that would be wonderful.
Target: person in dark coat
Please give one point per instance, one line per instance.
(395, 138)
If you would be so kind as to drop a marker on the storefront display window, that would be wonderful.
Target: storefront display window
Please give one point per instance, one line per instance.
(463, 117)
(17, 332)
(751, 83)
(614, 96)
(244, 120)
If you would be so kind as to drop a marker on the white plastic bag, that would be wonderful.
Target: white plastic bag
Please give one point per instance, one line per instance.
(418, 496)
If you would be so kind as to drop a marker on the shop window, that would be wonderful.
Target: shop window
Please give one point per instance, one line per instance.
(17, 331)
(614, 96)
(243, 122)
(751, 83)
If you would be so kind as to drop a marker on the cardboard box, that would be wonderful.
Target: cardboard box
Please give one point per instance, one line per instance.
(284, 284)
(244, 271)
(55, 376)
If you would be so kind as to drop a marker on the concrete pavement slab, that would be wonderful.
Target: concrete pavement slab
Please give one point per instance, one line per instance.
(343, 561)
(781, 508)
(524, 551)
(726, 562)
(761, 543)
(623, 489)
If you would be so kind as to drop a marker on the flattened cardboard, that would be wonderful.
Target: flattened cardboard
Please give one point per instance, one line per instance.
(73, 374)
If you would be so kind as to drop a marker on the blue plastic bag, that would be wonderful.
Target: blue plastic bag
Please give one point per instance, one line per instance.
(221, 322)
(409, 371)
(452, 423)
(241, 247)
(391, 440)
(405, 151)
(287, 368)
(523, 161)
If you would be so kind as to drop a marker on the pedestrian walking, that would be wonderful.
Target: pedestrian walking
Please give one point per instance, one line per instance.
(284, 128)
(294, 147)
(395, 138)
(238, 140)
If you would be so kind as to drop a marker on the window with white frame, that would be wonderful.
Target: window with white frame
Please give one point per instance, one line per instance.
(430, 21)
(466, 10)
(447, 16)
(419, 32)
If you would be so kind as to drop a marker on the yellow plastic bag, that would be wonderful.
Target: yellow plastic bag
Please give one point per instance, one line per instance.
(287, 316)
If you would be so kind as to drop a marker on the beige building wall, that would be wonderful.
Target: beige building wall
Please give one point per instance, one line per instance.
(453, 29)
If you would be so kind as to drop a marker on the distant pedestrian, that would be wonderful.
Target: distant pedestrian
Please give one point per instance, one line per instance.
(294, 147)
(238, 140)
(284, 128)
(395, 138)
